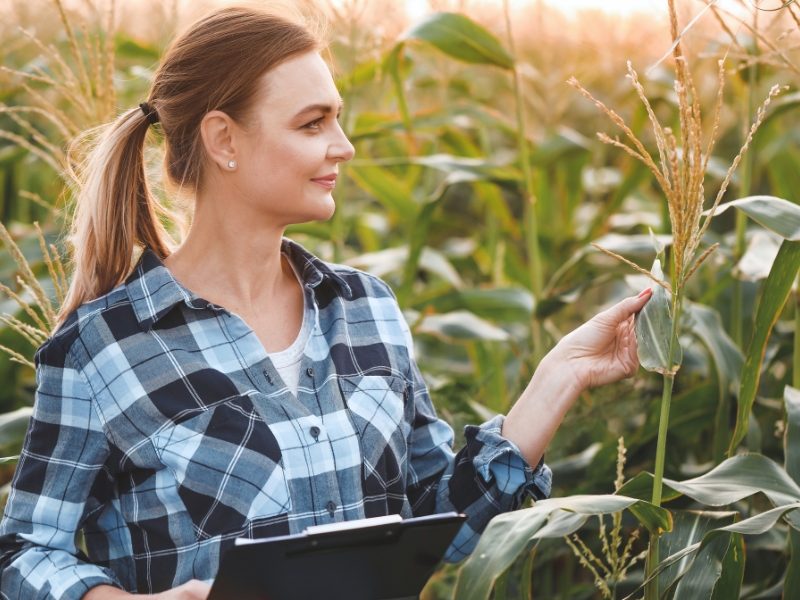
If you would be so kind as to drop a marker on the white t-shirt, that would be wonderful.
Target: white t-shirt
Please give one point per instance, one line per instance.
(287, 362)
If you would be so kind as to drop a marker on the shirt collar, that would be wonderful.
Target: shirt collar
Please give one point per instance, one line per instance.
(153, 291)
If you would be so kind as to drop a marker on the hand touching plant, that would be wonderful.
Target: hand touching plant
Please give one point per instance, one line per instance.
(604, 349)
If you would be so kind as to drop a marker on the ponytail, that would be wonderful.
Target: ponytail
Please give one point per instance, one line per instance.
(116, 209)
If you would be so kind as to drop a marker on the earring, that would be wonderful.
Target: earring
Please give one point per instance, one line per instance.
(231, 164)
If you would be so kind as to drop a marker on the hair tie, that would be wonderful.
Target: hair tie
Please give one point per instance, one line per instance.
(150, 113)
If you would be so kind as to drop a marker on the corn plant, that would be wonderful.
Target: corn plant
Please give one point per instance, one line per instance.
(680, 175)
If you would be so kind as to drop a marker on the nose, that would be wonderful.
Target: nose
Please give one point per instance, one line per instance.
(341, 150)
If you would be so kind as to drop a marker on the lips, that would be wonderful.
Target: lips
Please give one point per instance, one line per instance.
(329, 181)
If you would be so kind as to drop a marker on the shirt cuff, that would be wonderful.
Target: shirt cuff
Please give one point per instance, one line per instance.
(499, 459)
(39, 572)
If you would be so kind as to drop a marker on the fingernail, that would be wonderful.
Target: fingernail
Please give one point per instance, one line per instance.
(644, 293)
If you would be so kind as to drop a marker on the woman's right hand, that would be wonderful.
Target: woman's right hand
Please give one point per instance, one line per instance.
(191, 590)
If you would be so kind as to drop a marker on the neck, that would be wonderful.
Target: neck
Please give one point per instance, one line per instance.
(231, 256)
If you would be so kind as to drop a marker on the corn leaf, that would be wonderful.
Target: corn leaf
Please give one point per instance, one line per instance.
(461, 38)
(502, 304)
(776, 214)
(736, 478)
(756, 525)
(461, 325)
(776, 291)
(386, 188)
(729, 584)
(508, 534)
(740, 477)
(392, 260)
(791, 446)
(705, 323)
(654, 328)
(13, 426)
(689, 528)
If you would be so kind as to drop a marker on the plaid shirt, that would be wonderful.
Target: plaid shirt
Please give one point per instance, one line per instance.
(162, 430)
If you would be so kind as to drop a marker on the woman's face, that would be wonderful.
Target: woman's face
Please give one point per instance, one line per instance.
(288, 153)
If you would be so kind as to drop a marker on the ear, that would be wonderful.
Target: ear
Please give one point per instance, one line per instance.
(219, 138)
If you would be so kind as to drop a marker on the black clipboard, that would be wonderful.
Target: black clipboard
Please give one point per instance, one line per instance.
(385, 558)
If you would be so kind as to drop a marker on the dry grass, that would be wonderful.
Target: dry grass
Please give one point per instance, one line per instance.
(84, 79)
(618, 559)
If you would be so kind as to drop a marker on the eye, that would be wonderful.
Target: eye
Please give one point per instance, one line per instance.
(314, 124)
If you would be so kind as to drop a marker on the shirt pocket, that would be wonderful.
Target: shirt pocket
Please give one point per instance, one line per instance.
(378, 408)
(228, 471)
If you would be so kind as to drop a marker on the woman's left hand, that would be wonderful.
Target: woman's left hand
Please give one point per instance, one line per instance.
(603, 350)
(600, 351)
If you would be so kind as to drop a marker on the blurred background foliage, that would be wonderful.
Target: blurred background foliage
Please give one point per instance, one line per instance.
(436, 203)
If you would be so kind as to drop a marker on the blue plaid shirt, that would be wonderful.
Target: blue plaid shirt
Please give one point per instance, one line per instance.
(162, 430)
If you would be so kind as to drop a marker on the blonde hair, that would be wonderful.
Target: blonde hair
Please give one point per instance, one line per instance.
(215, 64)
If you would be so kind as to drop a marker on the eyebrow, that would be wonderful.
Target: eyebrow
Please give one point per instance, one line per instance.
(325, 108)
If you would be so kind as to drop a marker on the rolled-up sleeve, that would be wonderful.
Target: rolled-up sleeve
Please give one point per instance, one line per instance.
(487, 477)
(55, 488)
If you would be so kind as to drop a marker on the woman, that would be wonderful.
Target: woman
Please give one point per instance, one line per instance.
(237, 385)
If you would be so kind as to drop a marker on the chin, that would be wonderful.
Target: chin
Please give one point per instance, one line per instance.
(318, 211)
(324, 211)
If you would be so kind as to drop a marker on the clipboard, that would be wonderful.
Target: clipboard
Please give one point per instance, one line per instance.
(382, 558)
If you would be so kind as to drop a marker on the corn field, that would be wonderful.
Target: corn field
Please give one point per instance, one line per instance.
(517, 171)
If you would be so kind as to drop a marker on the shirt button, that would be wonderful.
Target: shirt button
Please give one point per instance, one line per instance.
(331, 508)
(310, 371)
(314, 432)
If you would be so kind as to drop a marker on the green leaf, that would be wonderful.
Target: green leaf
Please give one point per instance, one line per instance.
(393, 64)
(11, 154)
(13, 426)
(692, 411)
(461, 38)
(739, 477)
(371, 124)
(365, 72)
(689, 527)
(654, 328)
(469, 169)
(759, 257)
(461, 325)
(508, 534)
(631, 244)
(791, 446)
(416, 248)
(776, 214)
(776, 291)
(576, 465)
(641, 487)
(729, 584)
(705, 323)
(791, 436)
(386, 188)
(753, 526)
(392, 260)
(502, 304)
(525, 588)
(566, 142)
(139, 51)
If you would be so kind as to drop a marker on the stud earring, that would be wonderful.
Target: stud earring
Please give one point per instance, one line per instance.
(231, 164)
